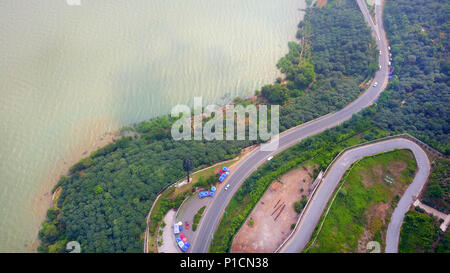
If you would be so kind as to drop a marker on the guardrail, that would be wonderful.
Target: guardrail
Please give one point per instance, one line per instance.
(176, 214)
(148, 224)
(405, 135)
(159, 195)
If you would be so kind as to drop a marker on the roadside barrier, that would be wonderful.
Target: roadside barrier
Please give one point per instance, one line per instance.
(406, 136)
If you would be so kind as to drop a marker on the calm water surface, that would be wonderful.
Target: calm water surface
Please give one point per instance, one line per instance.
(69, 74)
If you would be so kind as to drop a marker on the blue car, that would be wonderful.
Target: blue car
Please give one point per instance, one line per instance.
(203, 194)
(180, 242)
(185, 247)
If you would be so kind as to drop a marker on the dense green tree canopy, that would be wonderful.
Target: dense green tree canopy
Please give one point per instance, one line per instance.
(418, 97)
(104, 202)
(420, 233)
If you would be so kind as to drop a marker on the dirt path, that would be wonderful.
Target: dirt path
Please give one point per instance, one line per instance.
(435, 213)
(169, 245)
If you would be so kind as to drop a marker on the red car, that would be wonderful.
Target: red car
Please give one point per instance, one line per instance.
(183, 238)
(187, 224)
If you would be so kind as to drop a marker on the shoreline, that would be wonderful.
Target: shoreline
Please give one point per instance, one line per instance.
(64, 145)
(47, 192)
(105, 139)
(74, 156)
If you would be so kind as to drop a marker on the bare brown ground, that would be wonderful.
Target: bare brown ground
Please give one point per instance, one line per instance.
(377, 173)
(266, 233)
(321, 3)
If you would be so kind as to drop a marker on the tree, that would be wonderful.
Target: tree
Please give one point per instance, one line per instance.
(187, 166)
(435, 191)
(305, 75)
(49, 232)
(276, 93)
(58, 247)
(299, 205)
(418, 96)
(418, 233)
(98, 189)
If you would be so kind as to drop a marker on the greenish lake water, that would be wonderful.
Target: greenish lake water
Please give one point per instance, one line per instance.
(69, 74)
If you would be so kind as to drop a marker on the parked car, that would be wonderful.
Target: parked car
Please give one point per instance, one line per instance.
(185, 247)
(183, 238)
(227, 186)
(203, 194)
(270, 158)
(187, 225)
(180, 242)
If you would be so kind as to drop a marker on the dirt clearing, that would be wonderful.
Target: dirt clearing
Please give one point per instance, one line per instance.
(270, 221)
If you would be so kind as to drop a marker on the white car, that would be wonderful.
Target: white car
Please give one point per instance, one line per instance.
(270, 158)
(375, 84)
(227, 186)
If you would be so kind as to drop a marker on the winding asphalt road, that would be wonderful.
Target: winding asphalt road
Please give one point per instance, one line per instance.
(214, 212)
(319, 201)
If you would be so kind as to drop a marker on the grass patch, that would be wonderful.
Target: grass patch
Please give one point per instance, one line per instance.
(168, 200)
(319, 150)
(151, 243)
(197, 217)
(363, 206)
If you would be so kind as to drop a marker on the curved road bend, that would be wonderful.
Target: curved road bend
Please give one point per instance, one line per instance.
(334, 175)
(213, 213)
